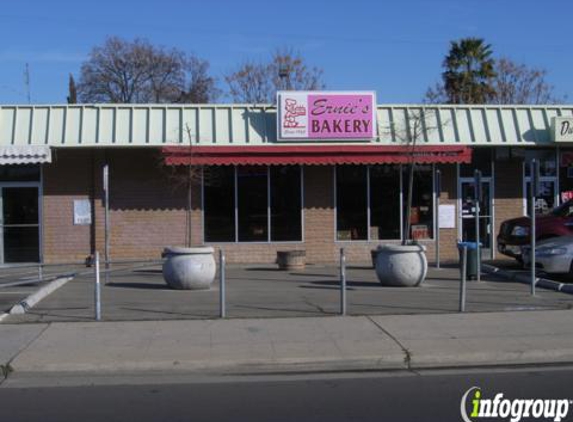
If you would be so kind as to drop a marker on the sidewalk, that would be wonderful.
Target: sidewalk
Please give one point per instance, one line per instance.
(407, 342)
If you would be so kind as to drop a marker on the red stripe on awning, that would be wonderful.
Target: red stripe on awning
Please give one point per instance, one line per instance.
(314, 155)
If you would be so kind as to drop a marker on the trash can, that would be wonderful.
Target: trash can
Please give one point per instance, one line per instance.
(472, 258)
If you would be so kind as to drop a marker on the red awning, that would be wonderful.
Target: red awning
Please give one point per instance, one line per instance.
(314, 154)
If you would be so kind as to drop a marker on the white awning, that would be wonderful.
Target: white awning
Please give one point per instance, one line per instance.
(25, 154)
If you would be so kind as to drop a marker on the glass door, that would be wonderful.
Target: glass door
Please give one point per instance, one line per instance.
(468, 224)
(19, 223)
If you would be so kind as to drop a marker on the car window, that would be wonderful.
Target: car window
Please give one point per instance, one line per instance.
(564, 210)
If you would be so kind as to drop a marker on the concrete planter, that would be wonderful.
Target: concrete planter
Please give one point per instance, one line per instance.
(291, 260)
(401, 265)
(189, 268)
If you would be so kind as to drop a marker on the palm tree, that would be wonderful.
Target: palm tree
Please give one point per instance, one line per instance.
(469, 72)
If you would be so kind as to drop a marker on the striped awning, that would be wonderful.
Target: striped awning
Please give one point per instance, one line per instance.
(315, 155)
(25, 154)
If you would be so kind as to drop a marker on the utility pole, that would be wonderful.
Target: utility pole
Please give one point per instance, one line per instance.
(27, 83)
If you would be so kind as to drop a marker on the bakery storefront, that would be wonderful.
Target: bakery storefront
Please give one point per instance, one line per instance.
(316, 171)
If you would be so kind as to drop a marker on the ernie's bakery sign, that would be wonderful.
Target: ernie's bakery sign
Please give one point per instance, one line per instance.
(308, 115)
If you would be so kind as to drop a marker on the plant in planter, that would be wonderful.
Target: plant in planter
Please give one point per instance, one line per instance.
(189, 267)
(405, 264)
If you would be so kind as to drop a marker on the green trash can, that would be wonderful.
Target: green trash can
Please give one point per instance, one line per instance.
(472, 258)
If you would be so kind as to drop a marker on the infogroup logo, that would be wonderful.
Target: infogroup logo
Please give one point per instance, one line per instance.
(512, 409)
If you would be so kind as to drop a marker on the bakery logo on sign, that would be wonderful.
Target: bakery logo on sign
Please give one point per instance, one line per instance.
(293, 113)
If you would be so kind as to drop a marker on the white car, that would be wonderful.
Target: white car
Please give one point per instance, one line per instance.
(553, 256)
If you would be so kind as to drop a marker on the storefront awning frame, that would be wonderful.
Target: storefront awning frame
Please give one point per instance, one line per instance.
(315, 155)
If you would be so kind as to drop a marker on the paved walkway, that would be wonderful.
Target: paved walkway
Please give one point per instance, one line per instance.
(406, 342)
(265, 292)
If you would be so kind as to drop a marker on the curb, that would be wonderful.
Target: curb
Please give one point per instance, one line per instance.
(523, 279)
(36, 297)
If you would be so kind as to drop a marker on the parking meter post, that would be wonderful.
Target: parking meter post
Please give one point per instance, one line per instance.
(437, 225)
(534, 173)
(477, 199)
(222, 292)
(342, 282)
(463, 279)
(106, 220)
(97, 289)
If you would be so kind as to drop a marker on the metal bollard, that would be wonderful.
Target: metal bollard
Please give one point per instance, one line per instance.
(97, 289)
(342, 282)
(40, 272)
(463, 280)
(222, 298)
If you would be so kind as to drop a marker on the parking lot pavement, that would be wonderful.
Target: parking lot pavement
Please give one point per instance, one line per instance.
(19, 282)
(262, 291)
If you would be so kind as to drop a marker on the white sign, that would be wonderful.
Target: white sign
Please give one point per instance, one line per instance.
(447, 216)
(562, 129)
(82, 212)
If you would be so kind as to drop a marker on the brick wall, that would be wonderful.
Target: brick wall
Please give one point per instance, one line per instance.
(508, 192)
(148, 210)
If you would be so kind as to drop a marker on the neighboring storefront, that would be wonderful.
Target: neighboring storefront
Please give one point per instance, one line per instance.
(319, 182)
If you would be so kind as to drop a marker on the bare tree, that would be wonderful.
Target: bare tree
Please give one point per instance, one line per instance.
(417, 125)
(120, 71)
(517, 84)
(258, 82)
(200, 86)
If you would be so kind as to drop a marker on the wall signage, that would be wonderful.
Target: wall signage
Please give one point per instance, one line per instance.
(326, 115)
(562, 129)
(82, 212)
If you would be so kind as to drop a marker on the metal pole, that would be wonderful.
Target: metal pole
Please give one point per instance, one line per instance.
(533, 188)
(97, 289)
(342, 282)
(222, 293)
(463, 280)
(106, 218)
(437, 235)
(40, 271)
(477, 213)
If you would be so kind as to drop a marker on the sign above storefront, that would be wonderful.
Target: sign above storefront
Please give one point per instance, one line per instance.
(328, 115)
(562, 129)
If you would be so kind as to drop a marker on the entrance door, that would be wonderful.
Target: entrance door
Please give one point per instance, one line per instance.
(19, 223)
(468, 225)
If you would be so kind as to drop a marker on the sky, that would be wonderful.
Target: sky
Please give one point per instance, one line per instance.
(395, 48)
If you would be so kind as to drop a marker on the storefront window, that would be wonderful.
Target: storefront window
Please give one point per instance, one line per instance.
(219, 204)
(422, 213)
(252, 203)
(286, 224)
(250, 207)
(546, 160)
(380, 208)
(351, 203)
(545, 200)
(566, 175)
(384, 202)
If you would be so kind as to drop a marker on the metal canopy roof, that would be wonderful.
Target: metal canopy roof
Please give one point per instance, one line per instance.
(224, 125)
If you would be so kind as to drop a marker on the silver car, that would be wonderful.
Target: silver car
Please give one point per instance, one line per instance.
(553, 256)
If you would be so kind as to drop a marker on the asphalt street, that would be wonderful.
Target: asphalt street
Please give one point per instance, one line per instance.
(393, 396)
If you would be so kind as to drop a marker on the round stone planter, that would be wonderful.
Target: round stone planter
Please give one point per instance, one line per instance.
(189, 268)
(291, 260)
(401, 265)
